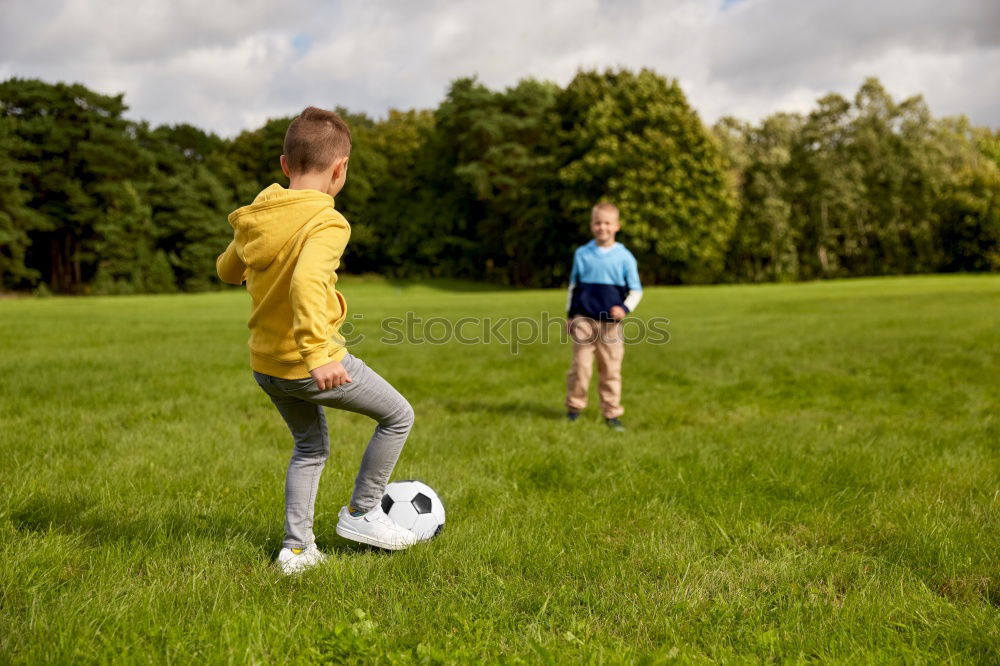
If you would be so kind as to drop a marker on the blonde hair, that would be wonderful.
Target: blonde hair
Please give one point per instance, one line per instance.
(605, 206)
(315, 139)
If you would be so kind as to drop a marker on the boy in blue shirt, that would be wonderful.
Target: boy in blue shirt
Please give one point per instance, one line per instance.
(603, 287)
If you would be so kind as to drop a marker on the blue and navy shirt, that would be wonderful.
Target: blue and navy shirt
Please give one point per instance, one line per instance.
(602, 278)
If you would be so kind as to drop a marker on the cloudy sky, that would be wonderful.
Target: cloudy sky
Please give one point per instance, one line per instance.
(228, 65)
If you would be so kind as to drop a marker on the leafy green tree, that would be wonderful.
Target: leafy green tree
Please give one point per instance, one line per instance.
(252, 158)
(17, 219)
(969, 205)
(501, 152)
(762, 246)
(863, 187)
(988, 143)
(634, 140)
(390, 230)
(897, 223)
(124, 247)
(83, 160)
(188, 203)
(498, 184)
(366, 170)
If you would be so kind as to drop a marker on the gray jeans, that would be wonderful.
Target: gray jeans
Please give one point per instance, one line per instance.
(301, 404)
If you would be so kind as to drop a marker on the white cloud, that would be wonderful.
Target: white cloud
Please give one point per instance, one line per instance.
(228, 65)
(782, 54)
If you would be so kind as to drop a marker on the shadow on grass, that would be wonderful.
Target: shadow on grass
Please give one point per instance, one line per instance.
(74, 516)
(446, 284)
(512, 409)
(339, 545)
(439, 284)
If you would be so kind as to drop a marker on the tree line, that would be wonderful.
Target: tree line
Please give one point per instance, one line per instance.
(496, 185)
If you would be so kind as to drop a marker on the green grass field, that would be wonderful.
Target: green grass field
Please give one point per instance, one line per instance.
(811, 472)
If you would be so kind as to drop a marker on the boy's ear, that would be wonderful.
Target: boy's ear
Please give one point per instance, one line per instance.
(340, 166)
(284, 167)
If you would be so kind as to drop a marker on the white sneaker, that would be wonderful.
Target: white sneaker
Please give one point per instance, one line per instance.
(291, 562)
(375, 529)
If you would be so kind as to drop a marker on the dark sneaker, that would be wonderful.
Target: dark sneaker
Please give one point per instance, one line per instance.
(572, 416)
(615, 425)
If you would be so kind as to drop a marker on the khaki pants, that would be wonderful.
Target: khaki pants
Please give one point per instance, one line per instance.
(603, 339)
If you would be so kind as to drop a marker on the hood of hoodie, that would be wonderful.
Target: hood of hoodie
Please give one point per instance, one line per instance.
(276, 214)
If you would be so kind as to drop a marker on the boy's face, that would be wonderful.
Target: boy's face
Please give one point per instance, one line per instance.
(604, 225)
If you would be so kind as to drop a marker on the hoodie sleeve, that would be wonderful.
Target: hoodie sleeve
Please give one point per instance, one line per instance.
(632, 283)
(309, 289)
(574, 277)
(230, 267)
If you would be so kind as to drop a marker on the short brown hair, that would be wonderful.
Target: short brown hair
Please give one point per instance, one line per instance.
(605, 206)
(315, 140)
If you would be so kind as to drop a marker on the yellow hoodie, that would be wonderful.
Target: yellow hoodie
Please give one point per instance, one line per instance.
(287, 246)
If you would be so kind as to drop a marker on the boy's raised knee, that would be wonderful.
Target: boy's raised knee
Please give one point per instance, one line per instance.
(407, 416)
(401, 419)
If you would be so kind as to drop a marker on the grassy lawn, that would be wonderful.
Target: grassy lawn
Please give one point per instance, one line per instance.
(810, 472)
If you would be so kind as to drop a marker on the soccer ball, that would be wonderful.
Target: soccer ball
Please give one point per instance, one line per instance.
(413, 505)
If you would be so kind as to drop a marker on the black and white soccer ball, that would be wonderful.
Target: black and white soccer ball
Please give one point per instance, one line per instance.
(415, 506)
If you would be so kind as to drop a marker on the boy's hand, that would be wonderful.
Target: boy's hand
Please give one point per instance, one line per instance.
(617, 312)
(330, 375)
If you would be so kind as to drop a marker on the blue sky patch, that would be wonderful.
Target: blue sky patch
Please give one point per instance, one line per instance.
(301, 44)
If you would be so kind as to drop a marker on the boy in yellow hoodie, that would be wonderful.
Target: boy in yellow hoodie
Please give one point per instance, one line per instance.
(287, 246)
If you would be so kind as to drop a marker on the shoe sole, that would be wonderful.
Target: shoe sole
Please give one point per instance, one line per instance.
(296, 571)
(352, 535)
(299, 569)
